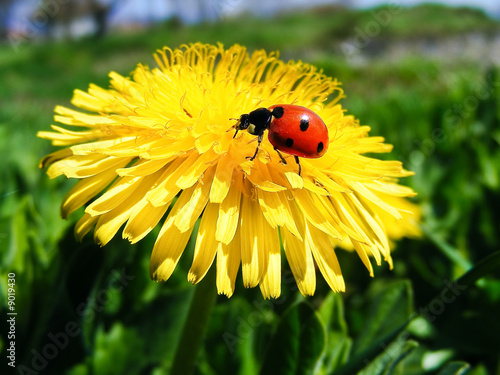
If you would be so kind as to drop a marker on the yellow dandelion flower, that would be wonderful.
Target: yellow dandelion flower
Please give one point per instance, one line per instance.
(164, 138)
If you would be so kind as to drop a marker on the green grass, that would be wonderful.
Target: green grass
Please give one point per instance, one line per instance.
(441, 116)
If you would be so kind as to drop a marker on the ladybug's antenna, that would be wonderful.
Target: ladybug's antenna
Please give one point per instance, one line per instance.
(235, 126)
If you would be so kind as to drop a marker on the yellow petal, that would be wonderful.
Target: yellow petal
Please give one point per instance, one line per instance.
(391, 188)
(69, 116)
(288, 217)
(188, 214)
(84, 136)
(222, 178)
(86, 101)
(89, 170)
(143, 220)
(348, 218)
(365, 192)
(325, 257)
(205, 142)
(229, 211)
(133, 146)
(55, 156)
(301, 262)
(170, 243)
(206, 245)
(114, 196)
(228, 263)
(252, 243)
(166, 148)
(329, 183)
(83, 226)
(270, 284)
(62, 166)
(193, 172)
(315, 214)
(276, 210)
(85, 190)
(295, 180)
(101, 147)
(362, 251)
(326, 204)
(61, 139)
(272, 208)
(314, 188)
(143, 168)
(166, 190)
(259, 179)
(109, 223)
(373, 225)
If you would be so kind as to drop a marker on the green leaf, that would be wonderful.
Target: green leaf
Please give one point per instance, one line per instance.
(80, 369)
(489, 168)
(478, 370)
(332, 313)
(388, 315)
(19, 244)
(434, 360)
(386, 362)
(455, 368)
(480, 269)
(298, 343)
(118, 351)
(389, 308)
(338, 343)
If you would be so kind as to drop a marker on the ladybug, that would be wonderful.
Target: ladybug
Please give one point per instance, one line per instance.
(293, 129)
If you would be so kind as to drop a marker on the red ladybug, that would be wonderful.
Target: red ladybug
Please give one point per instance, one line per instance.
(293, 129)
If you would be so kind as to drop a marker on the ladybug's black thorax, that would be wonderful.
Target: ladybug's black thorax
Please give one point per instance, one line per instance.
(261, 119)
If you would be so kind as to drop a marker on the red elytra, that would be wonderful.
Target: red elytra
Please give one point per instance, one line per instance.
(299, 132)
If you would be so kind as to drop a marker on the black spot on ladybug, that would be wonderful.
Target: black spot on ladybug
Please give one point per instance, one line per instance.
(304, 124)
(289, 142)
(320, 147)
(278, 112)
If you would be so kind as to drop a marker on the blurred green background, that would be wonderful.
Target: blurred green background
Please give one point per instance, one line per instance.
(438, 104)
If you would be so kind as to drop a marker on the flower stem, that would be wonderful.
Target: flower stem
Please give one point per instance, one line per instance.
(195, 326)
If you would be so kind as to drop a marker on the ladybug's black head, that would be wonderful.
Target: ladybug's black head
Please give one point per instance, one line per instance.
(243, 122)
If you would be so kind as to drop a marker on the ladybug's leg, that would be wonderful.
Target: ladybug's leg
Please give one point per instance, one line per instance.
(298, 163)
(283, 161)
(259, 141)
